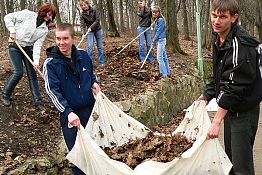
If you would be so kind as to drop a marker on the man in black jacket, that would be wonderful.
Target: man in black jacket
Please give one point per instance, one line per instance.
(236, 84)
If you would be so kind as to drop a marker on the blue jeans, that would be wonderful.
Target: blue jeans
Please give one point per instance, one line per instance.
(147, 35)
(162, 57)
(17, 59)
(90, 45)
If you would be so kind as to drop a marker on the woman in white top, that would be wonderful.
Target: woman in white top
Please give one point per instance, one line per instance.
(29, 29)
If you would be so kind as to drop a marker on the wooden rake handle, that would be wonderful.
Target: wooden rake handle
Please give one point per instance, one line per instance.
(82, 39)
(28, 58)
(146, 57)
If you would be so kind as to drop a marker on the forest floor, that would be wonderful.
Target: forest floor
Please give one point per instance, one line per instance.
(27, 133)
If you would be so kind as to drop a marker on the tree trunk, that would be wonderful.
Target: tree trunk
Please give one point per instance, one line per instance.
(172, 33)
(102, 15)
(121, 10)
(22, 4)
(127, 16)
(132, 17)
(2, 9)
(206, 26)
(259, 19)
(259, 29)
(9, 6)
(112, 25)
(39, 3)
(185, 21)
(58, 17)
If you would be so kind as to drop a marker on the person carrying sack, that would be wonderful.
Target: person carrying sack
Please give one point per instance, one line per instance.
(236, 84)
(70, 83)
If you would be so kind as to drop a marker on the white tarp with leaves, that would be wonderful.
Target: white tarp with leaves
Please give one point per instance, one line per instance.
(204, 157)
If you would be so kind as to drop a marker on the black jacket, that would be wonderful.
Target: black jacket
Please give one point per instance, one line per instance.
(90, 19)
(236, 81)
(145, 18)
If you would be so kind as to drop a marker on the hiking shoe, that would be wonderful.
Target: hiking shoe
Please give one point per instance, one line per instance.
(6, 102)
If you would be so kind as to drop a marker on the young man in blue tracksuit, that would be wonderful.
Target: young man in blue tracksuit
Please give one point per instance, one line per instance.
(70, 83)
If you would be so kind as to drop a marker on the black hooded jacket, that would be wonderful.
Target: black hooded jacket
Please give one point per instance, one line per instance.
(236, 81)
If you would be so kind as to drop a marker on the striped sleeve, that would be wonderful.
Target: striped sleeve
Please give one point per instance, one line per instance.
(52, 85)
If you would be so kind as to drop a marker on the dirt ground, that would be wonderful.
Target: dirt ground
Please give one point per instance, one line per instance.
(27, 133)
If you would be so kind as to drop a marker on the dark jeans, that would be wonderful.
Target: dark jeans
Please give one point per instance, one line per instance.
(70, 133)
(239, 136)
(17, 59)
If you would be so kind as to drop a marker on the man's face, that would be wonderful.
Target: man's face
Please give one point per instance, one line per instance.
(64, 41)
(222, 21)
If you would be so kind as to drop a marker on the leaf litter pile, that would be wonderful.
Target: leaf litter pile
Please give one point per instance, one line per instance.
(162, 148)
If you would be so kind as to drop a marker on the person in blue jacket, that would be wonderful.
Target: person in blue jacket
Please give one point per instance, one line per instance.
(70, 83)
(159, 41)
(260, 58)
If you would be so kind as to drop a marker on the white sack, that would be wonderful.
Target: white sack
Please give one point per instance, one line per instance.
(110, 126)
(204, 157)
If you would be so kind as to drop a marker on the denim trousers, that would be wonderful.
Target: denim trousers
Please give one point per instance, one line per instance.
(142, 38)
(239, 136)
(17, 59)
(162, 57)
(90, 45)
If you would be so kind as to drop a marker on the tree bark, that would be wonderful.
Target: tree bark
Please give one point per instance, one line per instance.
(172, 33)
(127, 16)
(112, 25)
(22, 4)
(121, 11)
(39, 3)
(58, 17)
(185, 21)
(2, 9)
(206, 26)
(9, 6)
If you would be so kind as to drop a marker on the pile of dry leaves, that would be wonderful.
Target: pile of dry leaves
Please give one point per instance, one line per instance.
(161, 148)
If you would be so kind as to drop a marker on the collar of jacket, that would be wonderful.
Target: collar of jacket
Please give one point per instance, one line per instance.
(87, 12)
(55, 53)
(240, 33)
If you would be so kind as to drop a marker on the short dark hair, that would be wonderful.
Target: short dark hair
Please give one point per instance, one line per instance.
(45, 8)
(226, 5)
(66, 26)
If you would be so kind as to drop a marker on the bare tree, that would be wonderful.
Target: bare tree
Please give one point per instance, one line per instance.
(112, 25)
(121, 9)
(172, 34)
(9, 6)
(58, 17)
(2, 10)
(185, 21)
